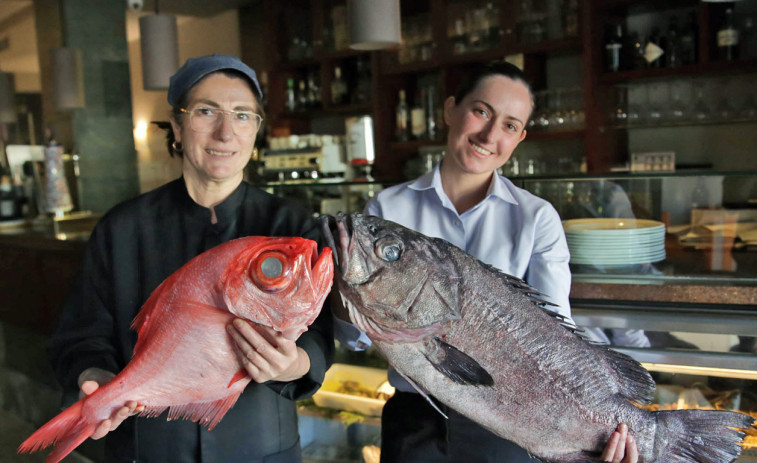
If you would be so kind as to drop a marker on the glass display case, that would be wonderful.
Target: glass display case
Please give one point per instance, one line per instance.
(671, 257)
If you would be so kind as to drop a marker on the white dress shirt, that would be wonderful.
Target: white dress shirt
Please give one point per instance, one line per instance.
(511, 229)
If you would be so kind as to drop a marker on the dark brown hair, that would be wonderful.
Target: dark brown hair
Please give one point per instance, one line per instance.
(496, 68)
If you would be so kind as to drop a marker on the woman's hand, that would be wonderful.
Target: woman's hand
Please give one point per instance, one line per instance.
(91, 379)
(266, 354)
(621, 448)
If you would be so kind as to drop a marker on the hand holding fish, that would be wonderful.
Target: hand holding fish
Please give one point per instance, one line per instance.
(89, 381)
(621, 448)
(266, 354)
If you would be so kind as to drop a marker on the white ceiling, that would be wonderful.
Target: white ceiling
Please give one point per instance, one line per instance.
(18, 37)
(9, 7)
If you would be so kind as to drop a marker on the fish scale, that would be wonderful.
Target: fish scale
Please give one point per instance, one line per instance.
(485, 344)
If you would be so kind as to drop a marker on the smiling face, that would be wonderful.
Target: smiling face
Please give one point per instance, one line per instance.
(486, 126)
(220, 156)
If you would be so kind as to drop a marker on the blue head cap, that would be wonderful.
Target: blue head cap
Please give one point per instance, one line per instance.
(197, 68)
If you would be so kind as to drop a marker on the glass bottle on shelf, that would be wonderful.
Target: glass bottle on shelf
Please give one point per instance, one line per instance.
(748, 38)
(458, 37)
(313, 91)
(431, 110)
(673, 44)
(418, 116)
(302, 95)
(362, 92)
(614, 48)
(635, 51)
(338, 87)
(8, 200)
(570, 18)
(401, 117)
(688, 40)
(728, 38)
(291, 100)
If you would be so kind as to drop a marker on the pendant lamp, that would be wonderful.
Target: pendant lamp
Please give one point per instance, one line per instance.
(7, 95)
(160, 50)
(68, 77)
(374, 24)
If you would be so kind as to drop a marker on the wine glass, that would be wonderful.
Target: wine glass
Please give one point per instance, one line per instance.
(701, 110)
(676, 110)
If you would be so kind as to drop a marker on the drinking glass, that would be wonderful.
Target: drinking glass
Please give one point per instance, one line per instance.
(556, 110)
(676, 110)
(701, 111)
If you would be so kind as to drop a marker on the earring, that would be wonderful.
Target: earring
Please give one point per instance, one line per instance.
(176, 146)
(254, 154)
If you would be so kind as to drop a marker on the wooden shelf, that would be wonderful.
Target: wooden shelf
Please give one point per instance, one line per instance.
(603, 148)
(712, 68)
(547, 135)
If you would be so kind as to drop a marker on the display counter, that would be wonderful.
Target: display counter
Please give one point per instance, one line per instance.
(692, 291)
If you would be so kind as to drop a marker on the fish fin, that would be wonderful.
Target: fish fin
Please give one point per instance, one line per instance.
(636, 384)
(239, 375)
(152, 412)
(423, 394)
(457, 365)
(67, 430)
(699, 435)
(205, 413)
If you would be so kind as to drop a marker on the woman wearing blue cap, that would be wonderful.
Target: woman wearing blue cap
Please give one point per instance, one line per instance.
(216, 115)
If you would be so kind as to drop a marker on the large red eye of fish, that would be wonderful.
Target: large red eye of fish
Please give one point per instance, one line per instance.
(271, 271)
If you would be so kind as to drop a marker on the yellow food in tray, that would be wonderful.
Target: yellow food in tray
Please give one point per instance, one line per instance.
(353, 388)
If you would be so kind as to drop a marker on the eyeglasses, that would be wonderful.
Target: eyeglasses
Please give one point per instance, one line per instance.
(207, 120)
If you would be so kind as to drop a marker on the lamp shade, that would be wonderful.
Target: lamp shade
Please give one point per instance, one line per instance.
(7, 95)
(374, 24)
(68, 78)
(160, 50)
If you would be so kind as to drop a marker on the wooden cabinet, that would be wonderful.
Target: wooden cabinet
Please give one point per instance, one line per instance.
(306, 43)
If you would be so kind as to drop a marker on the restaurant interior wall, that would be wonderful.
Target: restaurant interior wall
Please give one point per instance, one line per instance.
(197, 36)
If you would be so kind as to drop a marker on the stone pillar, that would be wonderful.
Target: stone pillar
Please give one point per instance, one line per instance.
(101, 133)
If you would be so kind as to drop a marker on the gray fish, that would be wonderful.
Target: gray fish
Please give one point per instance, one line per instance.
(482, 342)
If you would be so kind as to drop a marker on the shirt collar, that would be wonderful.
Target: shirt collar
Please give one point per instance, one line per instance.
(498, 188)
(225, 211)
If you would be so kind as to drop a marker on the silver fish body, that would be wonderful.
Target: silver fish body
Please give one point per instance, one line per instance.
(481, 342)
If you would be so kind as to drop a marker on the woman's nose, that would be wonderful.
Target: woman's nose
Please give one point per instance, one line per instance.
(224, 131)
(487, 132)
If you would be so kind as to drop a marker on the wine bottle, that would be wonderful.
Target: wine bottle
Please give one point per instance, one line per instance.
(688, 40)
(291, 102)
(338, 87)
(728, 38)
(401, 117)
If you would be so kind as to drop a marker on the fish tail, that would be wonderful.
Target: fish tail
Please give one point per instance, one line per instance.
(701, 436)
(67, 430)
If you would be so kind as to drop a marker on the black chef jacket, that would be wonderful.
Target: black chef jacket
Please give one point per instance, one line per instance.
(132, 250)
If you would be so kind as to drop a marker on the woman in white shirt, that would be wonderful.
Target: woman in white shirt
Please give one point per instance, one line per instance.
(465, 202)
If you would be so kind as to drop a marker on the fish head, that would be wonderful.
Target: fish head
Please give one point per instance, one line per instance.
(279, 282)
(398, 285)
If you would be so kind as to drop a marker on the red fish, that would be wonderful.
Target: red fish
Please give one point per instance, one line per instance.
(184, 359)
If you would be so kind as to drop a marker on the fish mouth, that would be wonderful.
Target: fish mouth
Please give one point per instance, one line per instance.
(338, 229)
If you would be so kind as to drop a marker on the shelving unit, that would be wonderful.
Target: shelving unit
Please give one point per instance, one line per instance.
(433, 26)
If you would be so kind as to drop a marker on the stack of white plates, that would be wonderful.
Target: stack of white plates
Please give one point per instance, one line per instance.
(615, 242)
